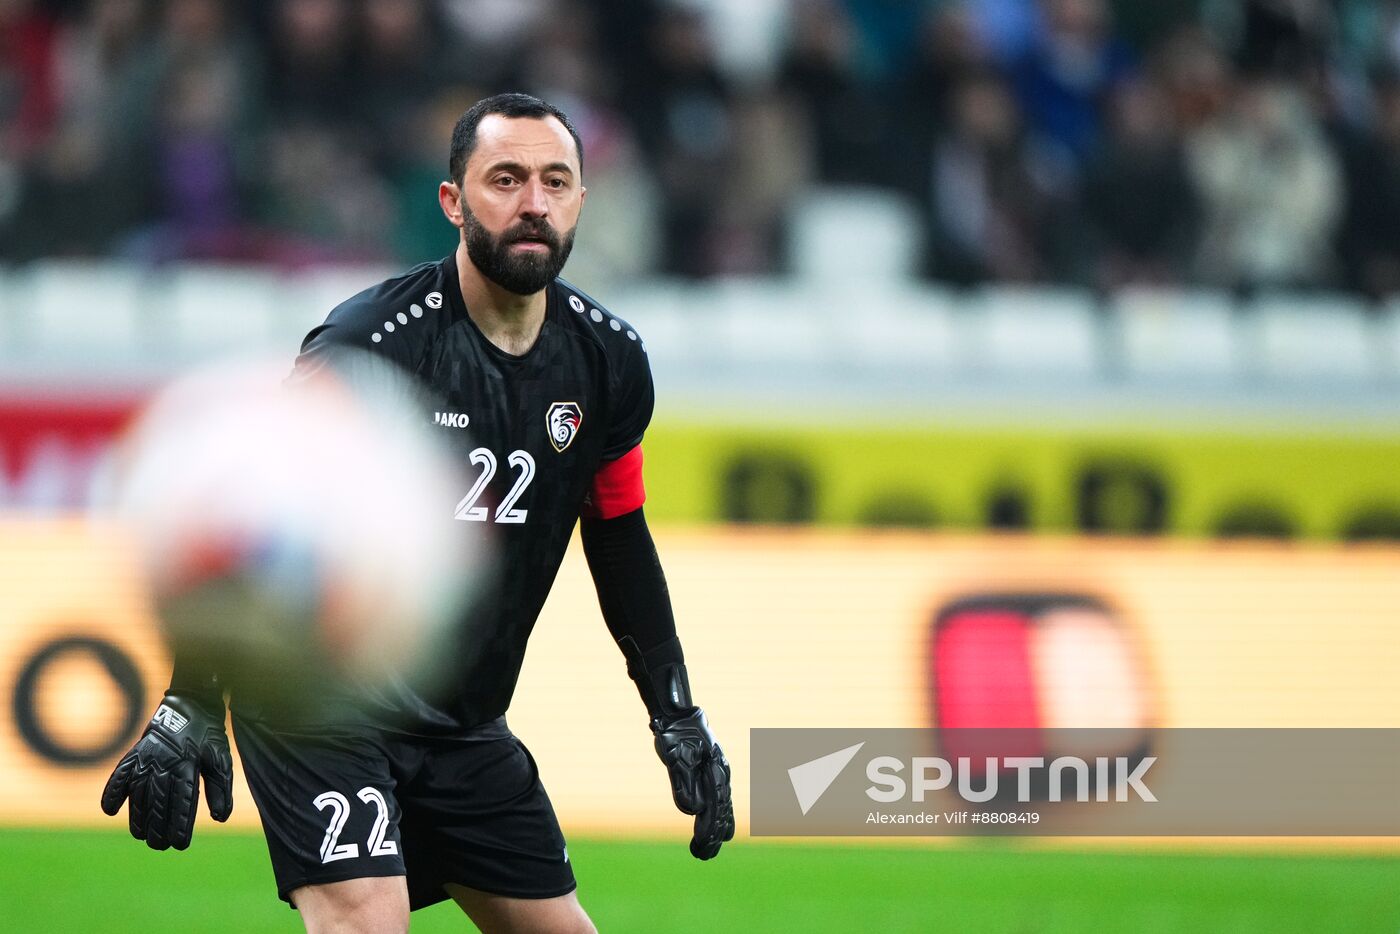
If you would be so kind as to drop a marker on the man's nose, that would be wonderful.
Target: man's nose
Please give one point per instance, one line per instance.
(533, 203)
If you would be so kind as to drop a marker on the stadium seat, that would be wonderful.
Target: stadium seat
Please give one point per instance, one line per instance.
(754, 34)
(860, 234)
(672, 317)
(912, 329)
(211, 310)
(1169, 333)
(1390, 341)
(86, 309)
(10, 301)
(1024, 332)
(769, 323)
(1310, 337)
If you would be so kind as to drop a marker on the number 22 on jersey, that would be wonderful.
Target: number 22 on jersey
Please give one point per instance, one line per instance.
(506, 513)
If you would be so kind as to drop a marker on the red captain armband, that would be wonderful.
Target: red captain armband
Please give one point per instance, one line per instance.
(617, 488)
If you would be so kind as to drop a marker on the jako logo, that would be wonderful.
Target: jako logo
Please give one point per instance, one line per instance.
(450, 419)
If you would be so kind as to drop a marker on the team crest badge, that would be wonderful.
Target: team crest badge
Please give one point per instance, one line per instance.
(562, 422)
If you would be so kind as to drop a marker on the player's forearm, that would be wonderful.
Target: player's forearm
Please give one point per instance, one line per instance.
(636, 606)
(627, 573)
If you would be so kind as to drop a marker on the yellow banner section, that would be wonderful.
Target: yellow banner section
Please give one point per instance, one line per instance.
(781, 629)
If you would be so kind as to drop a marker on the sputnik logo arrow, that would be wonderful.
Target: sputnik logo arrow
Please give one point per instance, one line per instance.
(810, 780)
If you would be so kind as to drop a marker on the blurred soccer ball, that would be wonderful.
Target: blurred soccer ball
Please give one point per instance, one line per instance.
(298, 538)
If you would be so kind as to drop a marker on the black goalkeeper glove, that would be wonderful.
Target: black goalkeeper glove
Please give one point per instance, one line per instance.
(699, 778)
(699, 772)
(184, 740)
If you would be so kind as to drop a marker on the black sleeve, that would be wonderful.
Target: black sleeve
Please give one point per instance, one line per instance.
(637, 608)
(631, 586)
(633, 397)
(195, 676)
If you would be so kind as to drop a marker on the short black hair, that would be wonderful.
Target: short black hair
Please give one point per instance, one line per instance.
(506, 105)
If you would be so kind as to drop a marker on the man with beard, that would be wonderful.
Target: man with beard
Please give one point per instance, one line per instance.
(398, 802)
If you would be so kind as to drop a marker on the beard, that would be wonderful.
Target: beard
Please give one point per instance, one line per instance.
(523, 273)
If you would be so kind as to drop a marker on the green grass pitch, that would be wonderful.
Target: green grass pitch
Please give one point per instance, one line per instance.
(64, 880)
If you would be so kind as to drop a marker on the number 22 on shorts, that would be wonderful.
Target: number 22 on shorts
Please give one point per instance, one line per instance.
(331, 847)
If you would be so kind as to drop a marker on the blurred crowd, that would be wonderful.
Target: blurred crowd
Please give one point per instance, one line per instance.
(1242, 144)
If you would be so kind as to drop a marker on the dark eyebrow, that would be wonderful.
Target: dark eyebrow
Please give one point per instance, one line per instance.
(516, 168)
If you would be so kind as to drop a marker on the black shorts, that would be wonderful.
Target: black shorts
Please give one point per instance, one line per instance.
(469, 810)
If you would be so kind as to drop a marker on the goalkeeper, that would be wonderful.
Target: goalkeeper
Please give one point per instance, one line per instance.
(406, 800)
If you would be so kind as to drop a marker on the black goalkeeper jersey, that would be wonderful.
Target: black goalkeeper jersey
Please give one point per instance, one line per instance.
(531, 431)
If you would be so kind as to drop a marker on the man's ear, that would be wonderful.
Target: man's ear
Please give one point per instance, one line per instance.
(449, 198)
